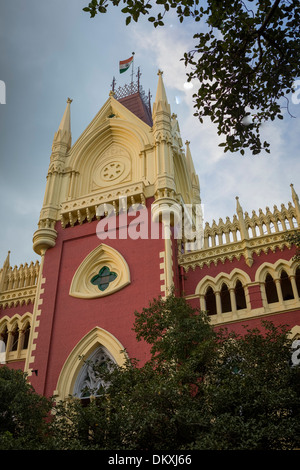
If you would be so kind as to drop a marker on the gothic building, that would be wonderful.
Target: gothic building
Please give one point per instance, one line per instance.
(121, 224)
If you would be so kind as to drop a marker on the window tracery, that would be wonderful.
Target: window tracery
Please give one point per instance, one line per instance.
(102, 272)
(103, 278)
(89, 382)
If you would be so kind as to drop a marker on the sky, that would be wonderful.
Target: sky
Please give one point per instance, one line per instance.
(52, 50)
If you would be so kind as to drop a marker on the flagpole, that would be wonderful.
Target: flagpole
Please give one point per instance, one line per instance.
(132, 69)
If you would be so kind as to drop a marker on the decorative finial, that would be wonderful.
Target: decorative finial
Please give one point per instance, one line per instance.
(160, 72)
(238, 206)
(294, 194)
(113, 84)
(69, 100)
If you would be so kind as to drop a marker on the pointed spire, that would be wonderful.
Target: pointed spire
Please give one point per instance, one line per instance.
(243, 229)
(192, 175)
(189, 159)
(7, 261)
(161, 100)
(238, 206)
(294, 195)
(161, 91)
(63, 135)
(65, 124)
(4, 271)
(296, 203)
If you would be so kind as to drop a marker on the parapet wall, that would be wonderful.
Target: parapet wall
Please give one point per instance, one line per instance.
(244, 235)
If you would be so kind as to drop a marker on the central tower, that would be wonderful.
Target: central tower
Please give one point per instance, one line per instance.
(106, 233)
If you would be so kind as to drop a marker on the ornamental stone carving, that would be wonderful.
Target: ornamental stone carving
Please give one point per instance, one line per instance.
(113, 167)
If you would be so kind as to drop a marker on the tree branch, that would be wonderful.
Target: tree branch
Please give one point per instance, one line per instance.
(268, 17)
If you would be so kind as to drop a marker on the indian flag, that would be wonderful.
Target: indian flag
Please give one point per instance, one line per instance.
(125, 64)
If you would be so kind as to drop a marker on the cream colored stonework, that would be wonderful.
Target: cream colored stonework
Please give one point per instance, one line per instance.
(103, 255)
(117, 156)
(95, 338)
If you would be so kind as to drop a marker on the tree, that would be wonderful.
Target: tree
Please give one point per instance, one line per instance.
(200, 389)
(246, 58)
(152, 406)
(23, 413)
(253, 392)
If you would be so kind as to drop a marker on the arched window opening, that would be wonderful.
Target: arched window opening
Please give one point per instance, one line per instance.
(3, 344)
(286, 286)
(4, 336)
(240, 297)
(210, 301)
(298, 279)
(271, 291)
(89, 380)
(272, 227)
(225, 299)
(15, 339)
(26, 334)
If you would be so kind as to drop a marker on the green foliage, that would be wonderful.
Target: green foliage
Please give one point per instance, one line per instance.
(176, 332)
(148, 407)
(253, 393)
(200, 389)
(246, 58)
(23, 413)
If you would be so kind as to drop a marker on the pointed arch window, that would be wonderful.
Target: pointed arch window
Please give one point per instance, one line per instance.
(4, 336)
(286, 286)
(225, 299)
(210, 301)
(102, 272)
(15, 339)
(26, 334)
(271, 291)
(240, 297)
(89, 380)
(3, 345)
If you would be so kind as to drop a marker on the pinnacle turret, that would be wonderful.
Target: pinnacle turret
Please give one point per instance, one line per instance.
(161, 101)
(4, 271)
(63, 135)
(295, 198)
